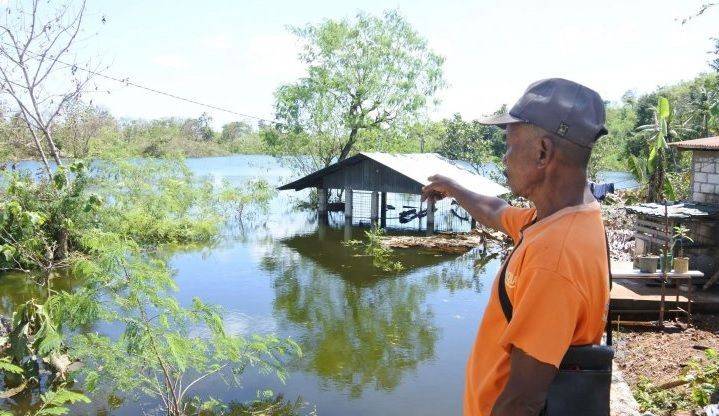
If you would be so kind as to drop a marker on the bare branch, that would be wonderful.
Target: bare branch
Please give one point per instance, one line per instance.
(33, 47)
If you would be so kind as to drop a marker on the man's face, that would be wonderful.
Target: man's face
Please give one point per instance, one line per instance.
(520, 160)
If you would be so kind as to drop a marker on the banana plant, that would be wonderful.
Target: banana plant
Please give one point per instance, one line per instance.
(652, 169)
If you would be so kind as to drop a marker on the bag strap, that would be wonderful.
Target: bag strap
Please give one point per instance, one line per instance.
(609, 301)
(503, 297)
(507, 304)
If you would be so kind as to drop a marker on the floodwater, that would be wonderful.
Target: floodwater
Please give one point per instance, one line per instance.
(373, 344)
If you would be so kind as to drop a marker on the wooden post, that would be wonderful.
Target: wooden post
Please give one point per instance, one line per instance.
(374, 202)
(383, 211)
(430, 216)
(348, 231)
(348, 204)
(322, 202)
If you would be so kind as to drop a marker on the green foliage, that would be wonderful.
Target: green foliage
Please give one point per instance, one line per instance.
(681, 233)
(32, 344)
(471, 142)
(364, 76)
(253, 193)
(660, 402)
(163, 342)
(382, 256)
(7, 367)
(111, 218)
(652, 169)
(703, 377)
(700, 379)
(266, 404)
(609, 153)
(158, 202)
(40, 219)
(54, 402)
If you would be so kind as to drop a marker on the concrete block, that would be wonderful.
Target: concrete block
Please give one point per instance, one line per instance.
(700, 197)
(700, 177)
(708, 168)
(712, 178)
(707, 188)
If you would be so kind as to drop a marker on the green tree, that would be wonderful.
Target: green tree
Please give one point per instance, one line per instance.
(704, 106)
(365, 74)
(81, 125)
(471, 142)
(234, 131)
(611, 151)
(199, 128)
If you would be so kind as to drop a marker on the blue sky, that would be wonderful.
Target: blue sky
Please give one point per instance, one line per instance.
(235, 53)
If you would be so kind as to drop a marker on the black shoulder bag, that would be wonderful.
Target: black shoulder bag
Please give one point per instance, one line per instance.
(582, 384)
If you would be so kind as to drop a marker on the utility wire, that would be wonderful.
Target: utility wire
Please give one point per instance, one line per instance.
(127, 81)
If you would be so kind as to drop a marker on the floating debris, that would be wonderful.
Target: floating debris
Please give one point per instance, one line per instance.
(447, 243)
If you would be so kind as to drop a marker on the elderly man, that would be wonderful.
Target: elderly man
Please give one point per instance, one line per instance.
(556, 278)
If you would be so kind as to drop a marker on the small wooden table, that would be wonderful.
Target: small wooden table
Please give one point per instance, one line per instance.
(625, 270)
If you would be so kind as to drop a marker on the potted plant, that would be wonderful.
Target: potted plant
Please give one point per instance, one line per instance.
(681, 263)
(648, 263)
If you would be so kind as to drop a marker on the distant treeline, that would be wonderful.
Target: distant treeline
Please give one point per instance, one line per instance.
(91, 131)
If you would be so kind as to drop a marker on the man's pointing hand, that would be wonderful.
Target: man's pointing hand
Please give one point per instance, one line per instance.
(439, 187)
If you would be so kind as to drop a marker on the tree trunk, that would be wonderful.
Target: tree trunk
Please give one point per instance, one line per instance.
(38, 146)
(53, 149)
(349, 145)
(61, 249)
(41, 152)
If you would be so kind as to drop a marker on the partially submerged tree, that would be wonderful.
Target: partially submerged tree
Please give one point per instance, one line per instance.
(365, 74)
(38, 72)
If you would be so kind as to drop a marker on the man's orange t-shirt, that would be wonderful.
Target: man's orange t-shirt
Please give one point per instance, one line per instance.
(557, 282)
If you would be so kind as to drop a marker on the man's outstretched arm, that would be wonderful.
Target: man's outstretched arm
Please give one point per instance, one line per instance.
(487, 210)
(527, 387)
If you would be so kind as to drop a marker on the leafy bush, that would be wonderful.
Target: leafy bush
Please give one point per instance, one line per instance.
(696, 388)
(41, 219)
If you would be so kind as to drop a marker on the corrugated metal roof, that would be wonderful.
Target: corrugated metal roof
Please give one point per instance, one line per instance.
(676, 210)
(707, 143)
(416, 166)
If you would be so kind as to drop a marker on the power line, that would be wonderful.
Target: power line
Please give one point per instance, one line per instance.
(127, 81)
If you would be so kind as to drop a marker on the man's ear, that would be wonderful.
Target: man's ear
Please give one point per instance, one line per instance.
(546, 151)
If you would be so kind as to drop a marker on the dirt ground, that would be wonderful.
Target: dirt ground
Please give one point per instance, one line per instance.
(660, 356)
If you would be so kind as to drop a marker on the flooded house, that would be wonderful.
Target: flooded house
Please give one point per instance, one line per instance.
(385, 189)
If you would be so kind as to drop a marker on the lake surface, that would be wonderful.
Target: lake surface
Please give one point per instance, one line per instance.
(372, 344)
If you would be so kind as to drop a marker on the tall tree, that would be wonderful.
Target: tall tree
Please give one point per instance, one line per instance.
(368, 73)
(37, 69)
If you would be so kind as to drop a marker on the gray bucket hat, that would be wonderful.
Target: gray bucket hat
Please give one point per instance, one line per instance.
(560, 106)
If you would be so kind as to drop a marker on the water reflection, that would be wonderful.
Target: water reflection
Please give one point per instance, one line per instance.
(379, 339)
(358, 327)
